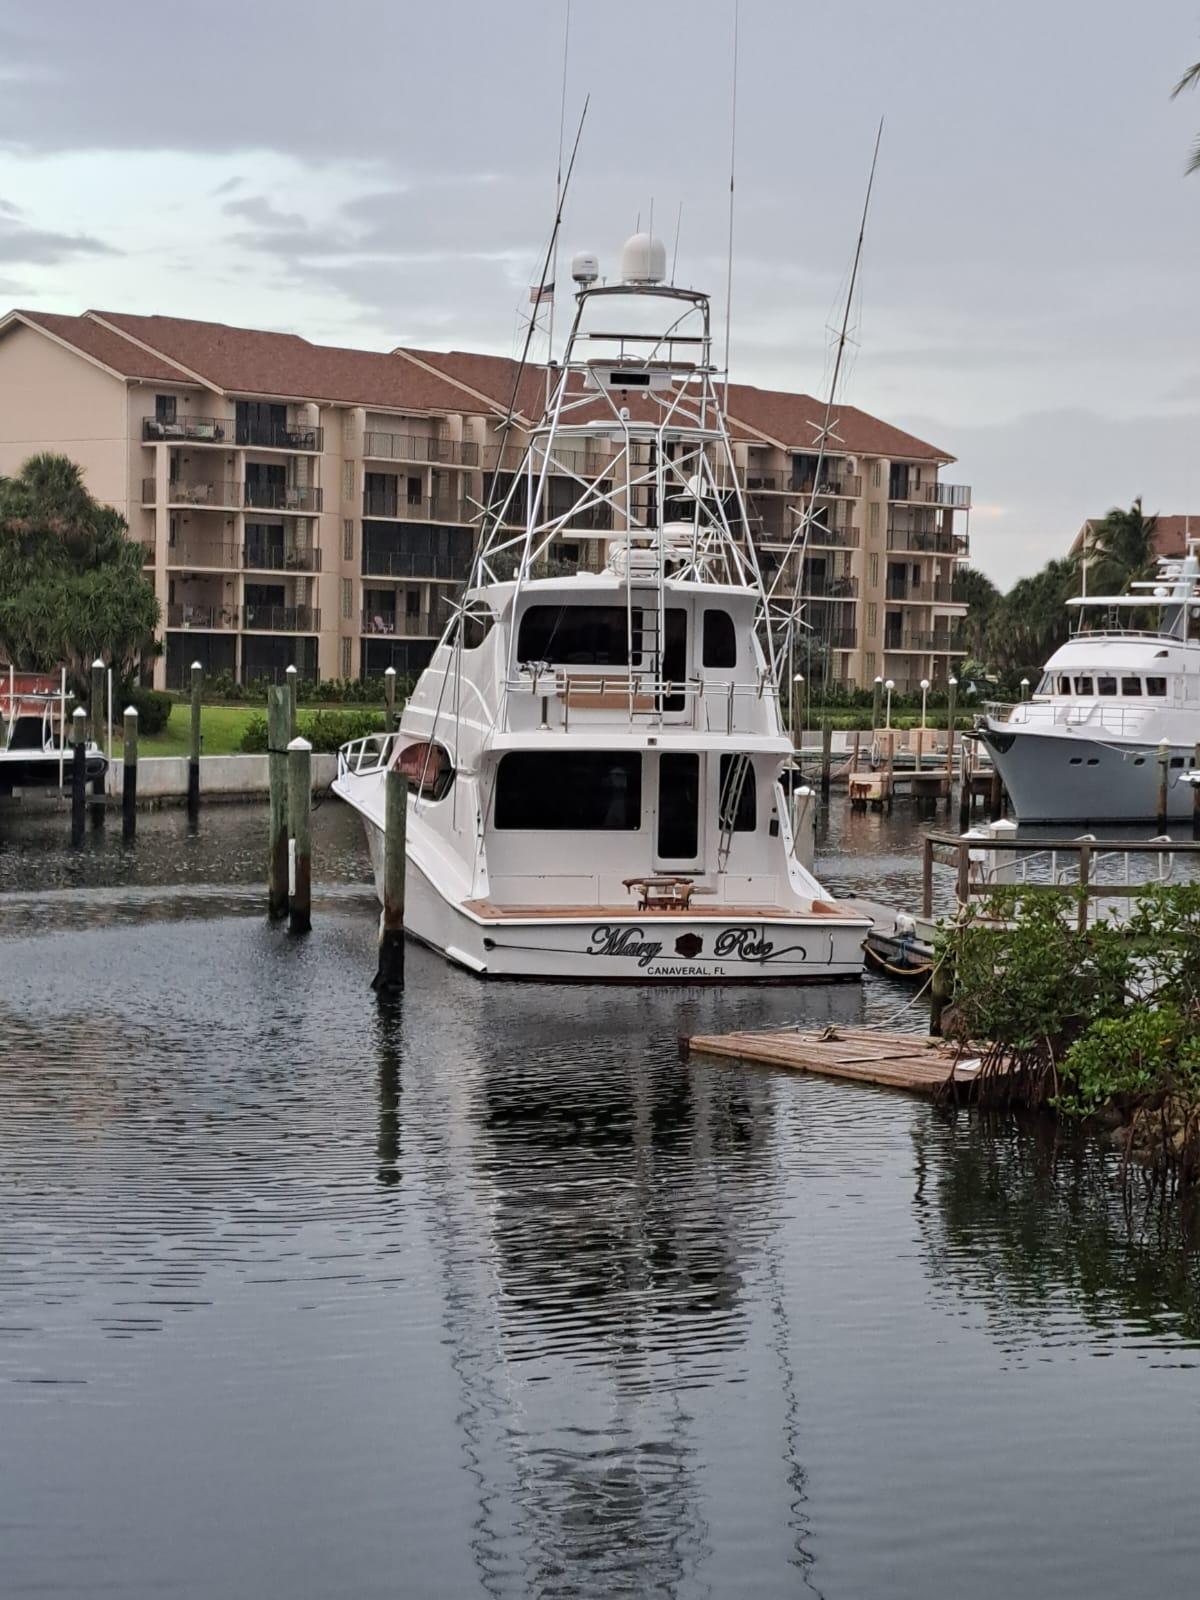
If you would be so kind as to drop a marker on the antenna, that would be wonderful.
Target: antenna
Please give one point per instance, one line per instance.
(558, 191)
(732, 167)
(675, 252)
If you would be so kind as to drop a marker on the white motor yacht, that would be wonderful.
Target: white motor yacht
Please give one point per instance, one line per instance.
(1085, 746)
(601, 786)
(34, 730)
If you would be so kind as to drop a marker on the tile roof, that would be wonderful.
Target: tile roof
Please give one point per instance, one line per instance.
(249, 361)
(109, 348)
(1170, 533)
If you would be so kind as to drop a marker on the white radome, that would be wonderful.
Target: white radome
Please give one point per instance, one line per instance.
(643, 259)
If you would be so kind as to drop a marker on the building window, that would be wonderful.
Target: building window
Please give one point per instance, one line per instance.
(164, 408)
(348, 539)
(872, 618)
(873, 518)
(347, 646)
(347, 427)
(869, 666)
(876, 474)
(172, 531)
(347, 598)
(873, 570)
(348, 480)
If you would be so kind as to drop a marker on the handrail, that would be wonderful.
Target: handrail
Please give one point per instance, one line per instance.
(361, 757)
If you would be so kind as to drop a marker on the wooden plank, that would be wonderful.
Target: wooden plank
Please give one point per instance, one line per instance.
(911, 1062)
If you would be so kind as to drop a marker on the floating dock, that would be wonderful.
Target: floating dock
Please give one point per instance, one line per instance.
(913, 1062)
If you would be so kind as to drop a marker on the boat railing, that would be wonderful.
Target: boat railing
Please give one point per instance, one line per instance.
(367, 755)
(707, 705)
(1124, 720)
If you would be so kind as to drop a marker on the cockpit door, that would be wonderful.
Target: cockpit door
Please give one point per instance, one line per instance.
(679, 823)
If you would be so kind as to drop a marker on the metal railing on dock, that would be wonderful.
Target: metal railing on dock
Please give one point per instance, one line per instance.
(978, 876)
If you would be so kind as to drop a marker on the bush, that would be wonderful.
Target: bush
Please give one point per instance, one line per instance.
(153, 708)
(326, 731)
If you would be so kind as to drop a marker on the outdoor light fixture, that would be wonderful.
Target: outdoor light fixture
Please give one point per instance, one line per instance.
(889, 686)
(924, 695)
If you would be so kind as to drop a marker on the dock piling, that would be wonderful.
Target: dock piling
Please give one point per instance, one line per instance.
(1164, 776)
(96, 712)
(1196, 791)
(389, 979)
(826, 757)
(78, 774)
(293, 703)
(389, 700)
(299, 803)
(277, 773)
(129, 775)
(193, 797)
(951, 712)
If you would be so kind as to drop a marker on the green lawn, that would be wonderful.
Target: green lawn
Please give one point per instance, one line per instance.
(221, 729)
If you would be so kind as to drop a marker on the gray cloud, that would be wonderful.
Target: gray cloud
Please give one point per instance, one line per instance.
(42, 247)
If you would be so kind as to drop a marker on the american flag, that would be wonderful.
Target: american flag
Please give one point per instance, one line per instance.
(541, 292)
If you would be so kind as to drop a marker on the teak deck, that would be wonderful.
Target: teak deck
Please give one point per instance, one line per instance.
(910, 1061)
(488, 910)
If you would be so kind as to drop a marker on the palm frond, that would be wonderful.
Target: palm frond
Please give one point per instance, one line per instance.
(1189, 80)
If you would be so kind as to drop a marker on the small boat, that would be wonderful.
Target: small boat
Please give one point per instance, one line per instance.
(1085, 747)
(600, 783)
(34, 753)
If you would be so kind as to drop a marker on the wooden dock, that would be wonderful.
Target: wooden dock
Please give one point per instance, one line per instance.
(913, 1062)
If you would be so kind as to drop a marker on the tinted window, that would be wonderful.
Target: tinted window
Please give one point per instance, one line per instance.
(678, 807)
(568, 789)
(1083, 686)
(1106, 686)
(720, 640)
(1064, 686)
(589, 636)
(739, 800)
(1156, 686)
(1131, 686)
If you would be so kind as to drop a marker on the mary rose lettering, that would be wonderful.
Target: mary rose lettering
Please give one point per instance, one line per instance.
(742, 944)
(631, 942)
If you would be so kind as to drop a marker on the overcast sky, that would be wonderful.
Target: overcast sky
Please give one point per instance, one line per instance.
(381, 171)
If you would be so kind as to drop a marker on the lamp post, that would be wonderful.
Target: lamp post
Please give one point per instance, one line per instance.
(889, 686)
(797, 677)
(924, 697)
(875, 702)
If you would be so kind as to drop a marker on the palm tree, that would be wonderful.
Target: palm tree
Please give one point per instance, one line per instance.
(1121, 549)
(1190, 80)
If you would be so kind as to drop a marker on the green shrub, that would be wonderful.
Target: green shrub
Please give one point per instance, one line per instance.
(1145, 1052)
(326, 731)
(153, 708)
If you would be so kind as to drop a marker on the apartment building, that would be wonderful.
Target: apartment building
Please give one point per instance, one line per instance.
(311, 504)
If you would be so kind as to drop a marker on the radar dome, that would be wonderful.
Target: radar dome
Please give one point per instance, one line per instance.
(643, 259)
(585, 267)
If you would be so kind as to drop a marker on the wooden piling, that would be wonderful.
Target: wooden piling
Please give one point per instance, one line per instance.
(966, 783)
(951, 713)
(389, 979)
(293, 703)
(193, 797)
(941, 988)
(299, 804)
(389, 700)
(1164, 781)
(277, 773)
(1196, 792)
(890, 772)
(96, 704)
(826, 757)
(996, 798)
(927, 876)
(129, 775)
(875, 704)
(78, 774)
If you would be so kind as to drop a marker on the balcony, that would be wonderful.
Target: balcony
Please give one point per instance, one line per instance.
(833, 538)
(583, 463)
(196, 556)
(280, 436)
(280, 558)
(205, 618)
(955, 495)
(818, 588)
(391, 506)
(414, 447)
(204, 496)
(833, 485)
(924, 541)
(939, 593)
(907, 643)
(303, 498)
(282, 619)
(192, 430)
(400, 624)
(840, 639)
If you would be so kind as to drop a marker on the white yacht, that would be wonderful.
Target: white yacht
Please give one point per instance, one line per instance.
(601, 784)
(1085, 747)
(34, 729)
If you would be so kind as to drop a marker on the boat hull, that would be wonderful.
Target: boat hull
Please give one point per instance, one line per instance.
(606, 946)
(1066, 777)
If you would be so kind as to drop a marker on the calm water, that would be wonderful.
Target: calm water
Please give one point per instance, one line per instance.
(491, 1294)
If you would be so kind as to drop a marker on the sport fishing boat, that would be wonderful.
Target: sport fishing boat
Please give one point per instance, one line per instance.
(34, 753)
(601, 786)
(1086, 746)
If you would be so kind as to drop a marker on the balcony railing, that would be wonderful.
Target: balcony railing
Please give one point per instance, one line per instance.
(840, 638)
(584, 463)
(816, 588)
(414, 447)
(414, 564)
(955, 495)
(923, 541)
(280, 558)
(400, 624)
(282, 619)
(283, 496)
(149, 551)
(395, 507)
(206, 618)
(197, 555)
(215, 496)
(280, 436)
(833, 538)
(834, 485)
(195, 430)
(939, 593)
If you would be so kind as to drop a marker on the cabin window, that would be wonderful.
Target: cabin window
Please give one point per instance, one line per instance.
(586, 636)
(428, 767)
(1177, 761)
(720, 640)
(1064, 686)
(1131, 686)
(738, 808)
(1106, 686)
(1083, 686)
(1156, 686)
(476, 625)
(569, 790)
